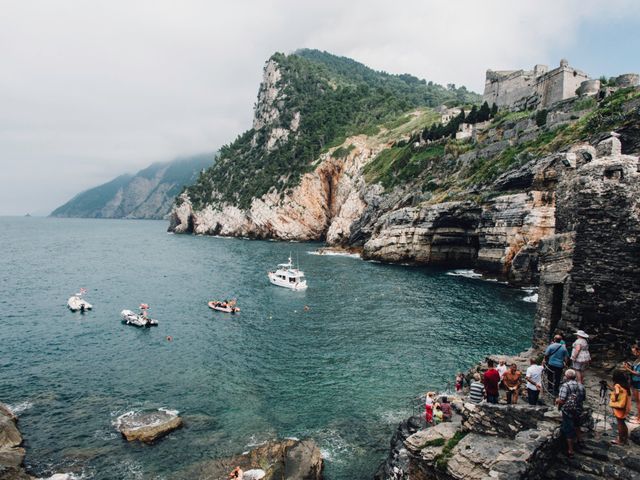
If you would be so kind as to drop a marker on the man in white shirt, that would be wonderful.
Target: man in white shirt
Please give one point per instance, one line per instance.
(534, 381)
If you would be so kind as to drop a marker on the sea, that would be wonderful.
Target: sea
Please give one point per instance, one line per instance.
(342, 362)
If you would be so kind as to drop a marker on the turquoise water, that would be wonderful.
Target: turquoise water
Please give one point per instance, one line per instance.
(342, 372)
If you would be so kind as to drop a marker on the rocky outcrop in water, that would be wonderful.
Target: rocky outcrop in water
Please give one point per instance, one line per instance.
(11, 451)
(148, 426)
(280, 460)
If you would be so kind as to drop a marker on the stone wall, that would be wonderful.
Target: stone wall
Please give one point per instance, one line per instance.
(590, 270)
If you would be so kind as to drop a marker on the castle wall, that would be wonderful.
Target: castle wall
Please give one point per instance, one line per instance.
(539, 88)
(507, 88)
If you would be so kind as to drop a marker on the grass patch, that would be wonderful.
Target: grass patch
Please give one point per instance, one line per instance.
(485, 171)
(342, 152)
(398, 122)
(584, 104)
(436, 442)
(505, 116)
(397, 165)
(442, 460)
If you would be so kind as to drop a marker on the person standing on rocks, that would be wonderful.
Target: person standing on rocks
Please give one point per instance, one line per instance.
(476, 390)
(533, 375)
(459, 382)
(491, 380)
(511, 381)
(570, 399)
(502, 369)
(620, 402)
(634, 370)
(555, 357)
(428, 406)
(580, 356)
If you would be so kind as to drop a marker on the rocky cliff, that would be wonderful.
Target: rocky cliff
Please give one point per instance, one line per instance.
(149, 194)
(484, 202)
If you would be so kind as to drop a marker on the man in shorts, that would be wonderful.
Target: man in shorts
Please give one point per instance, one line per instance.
(569, 401)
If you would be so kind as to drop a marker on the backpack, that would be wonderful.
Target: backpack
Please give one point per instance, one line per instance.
(572, 405)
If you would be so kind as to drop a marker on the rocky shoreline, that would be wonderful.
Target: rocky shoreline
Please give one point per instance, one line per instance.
(289, 459)
(508, 442)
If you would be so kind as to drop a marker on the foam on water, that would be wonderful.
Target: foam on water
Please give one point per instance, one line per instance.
(20, 407)
(464, 273)
(334, 253)
(532, 295)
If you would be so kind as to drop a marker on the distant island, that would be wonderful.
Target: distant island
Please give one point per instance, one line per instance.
(149, 194)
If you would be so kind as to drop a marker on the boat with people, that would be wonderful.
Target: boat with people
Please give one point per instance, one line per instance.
(224, 306)
(138, 319)
(77, 303)
(287, 276)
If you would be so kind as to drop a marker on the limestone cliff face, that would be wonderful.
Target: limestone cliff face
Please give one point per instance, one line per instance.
(325, 204)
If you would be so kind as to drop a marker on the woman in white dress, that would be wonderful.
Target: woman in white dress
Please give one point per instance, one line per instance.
(580, 356)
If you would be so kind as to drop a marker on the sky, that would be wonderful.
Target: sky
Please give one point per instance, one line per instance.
(90, 90)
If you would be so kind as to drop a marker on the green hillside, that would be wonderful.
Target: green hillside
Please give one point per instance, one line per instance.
(336, 97)
(147, 194)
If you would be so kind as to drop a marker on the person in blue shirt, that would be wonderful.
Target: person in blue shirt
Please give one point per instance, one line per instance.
(555, 358)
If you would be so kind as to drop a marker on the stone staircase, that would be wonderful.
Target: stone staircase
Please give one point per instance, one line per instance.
(598, 459)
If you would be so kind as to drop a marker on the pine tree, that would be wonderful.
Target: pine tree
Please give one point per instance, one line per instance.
(473, 115)
(484, 113)
(494, 110)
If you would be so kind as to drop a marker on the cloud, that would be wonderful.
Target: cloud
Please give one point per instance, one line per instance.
(90, 90)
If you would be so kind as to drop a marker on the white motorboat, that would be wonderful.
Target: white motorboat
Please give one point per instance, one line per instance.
(288, 277)
(138, 319)
(77, 303)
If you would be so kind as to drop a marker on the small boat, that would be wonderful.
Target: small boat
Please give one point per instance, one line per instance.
(288, 277)
(227, 307)
(77, 303)
(138, 319)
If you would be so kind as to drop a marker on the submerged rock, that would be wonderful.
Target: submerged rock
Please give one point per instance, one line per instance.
(148, 426)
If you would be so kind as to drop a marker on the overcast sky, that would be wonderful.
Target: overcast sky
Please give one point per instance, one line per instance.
(93, 89)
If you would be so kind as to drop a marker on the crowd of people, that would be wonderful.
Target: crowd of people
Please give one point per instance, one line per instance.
(565, 371)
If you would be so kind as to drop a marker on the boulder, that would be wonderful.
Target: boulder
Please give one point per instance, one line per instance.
(147, 426)
(11, 453)
(303, 461)
(288, 459)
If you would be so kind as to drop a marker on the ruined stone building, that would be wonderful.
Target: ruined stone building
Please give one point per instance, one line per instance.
(590, 269)
(539, 88)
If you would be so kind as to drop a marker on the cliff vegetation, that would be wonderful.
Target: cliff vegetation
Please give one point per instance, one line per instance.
(318, 99)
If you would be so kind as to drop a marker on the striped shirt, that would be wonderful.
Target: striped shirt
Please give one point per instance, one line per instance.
(476, 392)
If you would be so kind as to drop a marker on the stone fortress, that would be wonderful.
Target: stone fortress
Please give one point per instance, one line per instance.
(540, 88)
